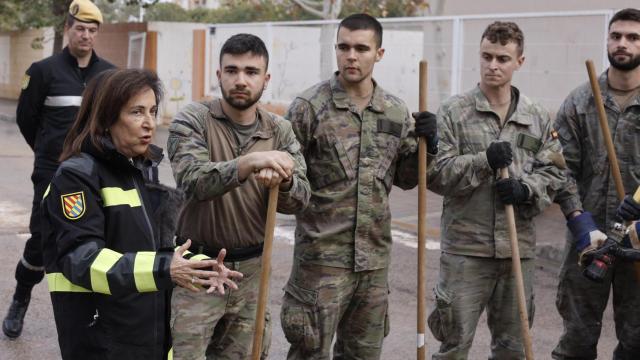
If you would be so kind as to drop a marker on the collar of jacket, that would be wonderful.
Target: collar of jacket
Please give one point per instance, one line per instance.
(74, 62)
(482, 105)
(342, 101)
(110, 154)
(607, 97)
(265, 119)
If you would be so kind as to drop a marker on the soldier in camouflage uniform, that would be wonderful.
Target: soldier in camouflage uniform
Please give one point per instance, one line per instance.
(487, 128)
(590, 200)
(225, 154)
(358, 141)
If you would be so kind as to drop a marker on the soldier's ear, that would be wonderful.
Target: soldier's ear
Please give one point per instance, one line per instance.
(379, 54)
(267, 77)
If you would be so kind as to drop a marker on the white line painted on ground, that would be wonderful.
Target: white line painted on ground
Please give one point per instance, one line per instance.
(286, 234)
(14, 215)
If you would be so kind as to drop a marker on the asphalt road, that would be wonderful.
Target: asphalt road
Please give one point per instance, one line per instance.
(39, 341)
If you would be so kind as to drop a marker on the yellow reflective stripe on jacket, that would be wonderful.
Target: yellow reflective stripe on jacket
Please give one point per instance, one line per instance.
(59, 283)
(113, 196)
(194, 257)
(99, 268)
(170, 354)
(143, 271)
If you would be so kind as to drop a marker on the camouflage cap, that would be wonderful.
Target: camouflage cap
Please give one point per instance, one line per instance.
(85, 11)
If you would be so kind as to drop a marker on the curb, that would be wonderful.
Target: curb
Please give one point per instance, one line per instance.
(9, 118)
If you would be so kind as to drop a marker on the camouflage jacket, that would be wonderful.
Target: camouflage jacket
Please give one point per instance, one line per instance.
(220, 210)
(473, 217)
(353, 160)
(591, 186)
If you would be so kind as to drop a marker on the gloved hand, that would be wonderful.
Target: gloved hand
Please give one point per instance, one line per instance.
(512, 191)
(629, 209)
(586, 234)
(631, 240)
(427, 126)
(499, 155)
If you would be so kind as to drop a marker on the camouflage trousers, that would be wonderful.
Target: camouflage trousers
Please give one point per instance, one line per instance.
(219, 327)
(466, 286)
(321, 301)
(581, 303)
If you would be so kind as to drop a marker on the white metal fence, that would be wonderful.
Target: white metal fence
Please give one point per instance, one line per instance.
(556, 46)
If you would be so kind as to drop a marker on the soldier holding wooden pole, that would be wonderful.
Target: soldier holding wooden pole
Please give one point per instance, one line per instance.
(590, 199)
(491, 127)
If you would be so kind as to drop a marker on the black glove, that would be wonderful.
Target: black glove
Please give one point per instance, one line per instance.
(427, 127)
(629, 209)
(512, 191)
(499, 155)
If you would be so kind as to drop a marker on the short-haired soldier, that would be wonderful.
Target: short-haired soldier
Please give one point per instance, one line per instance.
(589, 200)
(358, 141)
(490, 127)
(226, 153)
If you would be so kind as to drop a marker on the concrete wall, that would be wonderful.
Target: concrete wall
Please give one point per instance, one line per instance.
(17, 54)
(465, 7)
(174, 62)
(113, 41)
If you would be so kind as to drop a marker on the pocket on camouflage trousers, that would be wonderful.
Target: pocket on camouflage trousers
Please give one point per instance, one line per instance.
(440, 319)
(299, 317)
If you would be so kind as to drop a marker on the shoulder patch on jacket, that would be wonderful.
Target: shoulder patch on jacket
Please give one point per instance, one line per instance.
(73, 205)
(25, 82)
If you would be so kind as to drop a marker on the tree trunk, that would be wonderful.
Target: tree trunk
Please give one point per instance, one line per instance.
(59, 9)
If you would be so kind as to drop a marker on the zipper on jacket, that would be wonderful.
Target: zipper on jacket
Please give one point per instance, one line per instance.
(144, 210)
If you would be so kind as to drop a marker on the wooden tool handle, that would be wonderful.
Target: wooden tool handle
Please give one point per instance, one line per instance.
(517, 274)
(604, 127)
(422, 223)
(263, 294)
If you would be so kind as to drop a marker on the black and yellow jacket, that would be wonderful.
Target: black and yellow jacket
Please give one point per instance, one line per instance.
(49, 101)
(107, 271)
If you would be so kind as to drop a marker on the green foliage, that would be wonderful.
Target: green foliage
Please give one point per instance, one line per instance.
(383, 9)
(230, 11)
(25, 14)
(28, 14)
(167, 12)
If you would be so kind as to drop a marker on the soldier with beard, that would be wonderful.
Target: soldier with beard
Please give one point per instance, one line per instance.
(225, 155)
(589, 200)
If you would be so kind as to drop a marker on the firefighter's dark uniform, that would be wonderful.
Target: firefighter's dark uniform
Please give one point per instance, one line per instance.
(108, 271)
(50, 98)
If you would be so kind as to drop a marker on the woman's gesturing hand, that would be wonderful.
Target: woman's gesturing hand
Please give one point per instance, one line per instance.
(192, 275)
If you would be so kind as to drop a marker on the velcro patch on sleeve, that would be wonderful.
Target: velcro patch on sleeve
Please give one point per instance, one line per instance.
(25, 81)
(528, 142)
